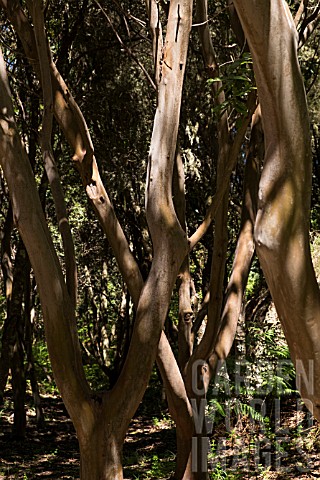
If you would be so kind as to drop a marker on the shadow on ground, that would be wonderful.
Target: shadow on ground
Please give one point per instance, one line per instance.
(53, 452)
(247, 452)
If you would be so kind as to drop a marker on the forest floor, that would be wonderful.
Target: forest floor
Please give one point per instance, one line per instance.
(243, 451)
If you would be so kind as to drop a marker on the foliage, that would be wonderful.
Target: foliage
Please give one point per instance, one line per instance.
(258, 372)
(219, 473)
(118, 104)
(43, 368)
(237, 82)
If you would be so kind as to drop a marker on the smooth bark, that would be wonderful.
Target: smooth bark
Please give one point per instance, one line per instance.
(282, 224)
(47, 153)
(29, 218)
(153, 10)
(179, 407)
(169, 242)
(185, 333)
(244, 251)
(72, 123)
(220, 231)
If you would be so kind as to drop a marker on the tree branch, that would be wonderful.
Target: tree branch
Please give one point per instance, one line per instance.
(73, 124)
(156, 35)
(229, 167)
(50, 166)
(221, 233)
(127, 49)
(244, 251)
(185, 334)
(168, 238)
(62, 339)
(308, 27)
(301, 11)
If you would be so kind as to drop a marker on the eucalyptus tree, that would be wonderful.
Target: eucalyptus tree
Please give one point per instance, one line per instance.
(274, 220)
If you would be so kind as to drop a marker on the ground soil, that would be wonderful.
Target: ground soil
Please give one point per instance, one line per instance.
(243, 452)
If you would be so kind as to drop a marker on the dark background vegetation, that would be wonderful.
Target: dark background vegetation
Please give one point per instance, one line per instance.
(99, 53)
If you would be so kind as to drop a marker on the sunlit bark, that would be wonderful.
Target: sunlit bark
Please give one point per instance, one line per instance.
(153, 10)
(30, 220)
(169, 242)
(47, 153)
(282, 225)
(221, 235)
(282, 176)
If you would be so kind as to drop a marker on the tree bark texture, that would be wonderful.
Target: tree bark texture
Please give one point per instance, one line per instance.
(185, 333)
(47, 153)
(170, 248)
(282, 224)
(169, 240)
(220, 231)
(28, 215)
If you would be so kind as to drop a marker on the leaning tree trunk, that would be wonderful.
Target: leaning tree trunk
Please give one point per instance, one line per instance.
(282, 224)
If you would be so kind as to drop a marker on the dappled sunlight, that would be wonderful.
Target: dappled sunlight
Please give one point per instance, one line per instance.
(119, 295)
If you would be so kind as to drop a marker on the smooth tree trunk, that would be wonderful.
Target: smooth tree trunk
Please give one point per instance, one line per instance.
(180, 409)
(101, 449)
(244, 251)
(192, 429)
(282, 224)
(72, 122)
(163, 224)
(185, 284)
(101, 421)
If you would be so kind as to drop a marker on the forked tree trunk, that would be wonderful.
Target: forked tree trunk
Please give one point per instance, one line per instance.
(283, 196)
(101, 429)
